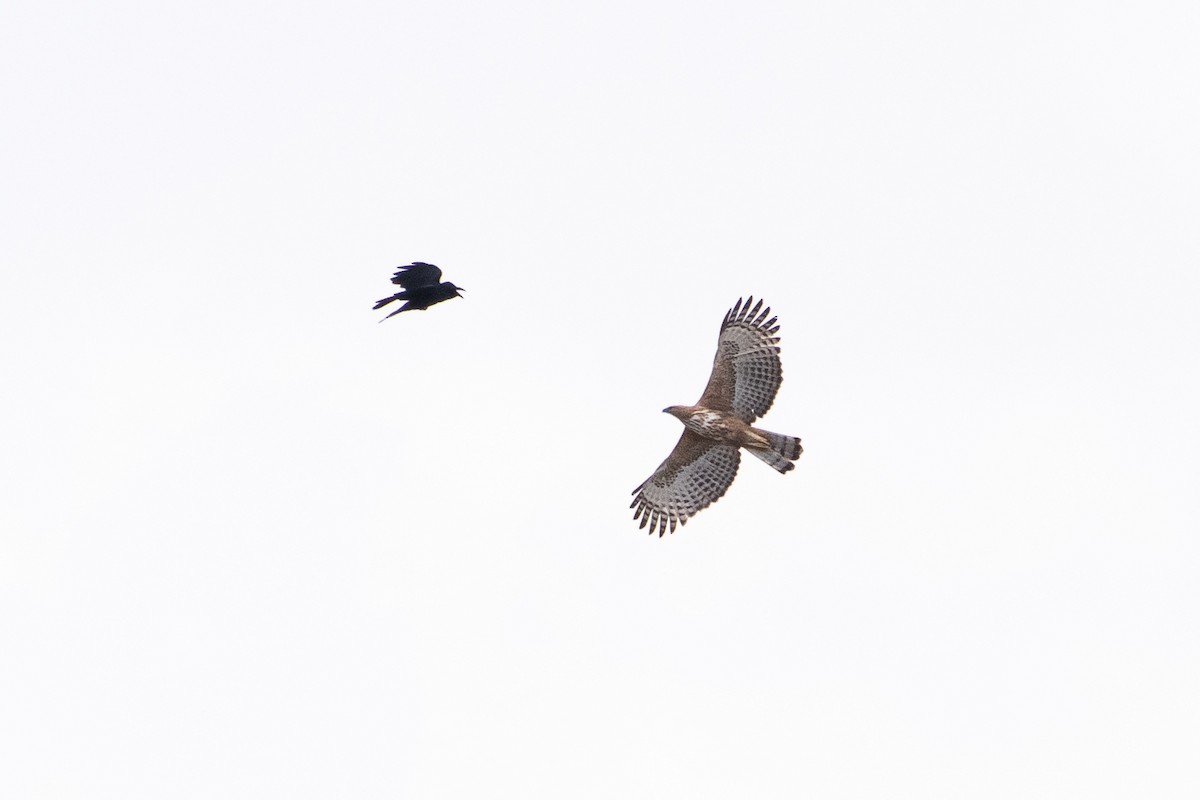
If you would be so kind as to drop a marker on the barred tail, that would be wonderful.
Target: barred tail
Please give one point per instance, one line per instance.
(783, 450)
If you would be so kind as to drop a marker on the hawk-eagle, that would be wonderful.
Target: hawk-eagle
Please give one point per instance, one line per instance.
(746, 375)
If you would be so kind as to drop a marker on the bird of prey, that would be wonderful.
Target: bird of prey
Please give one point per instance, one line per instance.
(423, 287)
(746, 375)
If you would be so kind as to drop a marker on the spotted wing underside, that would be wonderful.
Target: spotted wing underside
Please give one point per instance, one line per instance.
(747, 371)
(694, 476)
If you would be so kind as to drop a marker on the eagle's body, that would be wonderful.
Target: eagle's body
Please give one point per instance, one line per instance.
(423, 287)
(745, 378)
(717, 425)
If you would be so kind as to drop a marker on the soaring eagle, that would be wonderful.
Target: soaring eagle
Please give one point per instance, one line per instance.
(746, 375)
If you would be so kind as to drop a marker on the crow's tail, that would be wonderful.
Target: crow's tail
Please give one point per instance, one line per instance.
(386, 300)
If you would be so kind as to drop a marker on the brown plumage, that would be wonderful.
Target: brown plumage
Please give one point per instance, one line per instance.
(746, 376)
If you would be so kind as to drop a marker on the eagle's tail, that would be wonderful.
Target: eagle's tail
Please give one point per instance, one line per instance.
(781, 451)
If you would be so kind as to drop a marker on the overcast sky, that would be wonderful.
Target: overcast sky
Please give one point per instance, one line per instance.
(255, 544)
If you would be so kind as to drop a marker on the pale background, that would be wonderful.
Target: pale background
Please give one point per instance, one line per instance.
(257, 545)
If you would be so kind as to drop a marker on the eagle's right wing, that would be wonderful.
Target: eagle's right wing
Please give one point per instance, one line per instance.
(693, 477)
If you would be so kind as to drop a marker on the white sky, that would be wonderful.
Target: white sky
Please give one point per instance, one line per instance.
(257, 545)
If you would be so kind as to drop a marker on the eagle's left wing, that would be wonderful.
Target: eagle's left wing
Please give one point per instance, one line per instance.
(747, 371)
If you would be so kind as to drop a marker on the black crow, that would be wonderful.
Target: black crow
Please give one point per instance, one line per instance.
(422, 288)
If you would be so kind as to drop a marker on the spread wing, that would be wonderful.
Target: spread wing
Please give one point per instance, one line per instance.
(417, 274)
(746, 371)
(693, 477)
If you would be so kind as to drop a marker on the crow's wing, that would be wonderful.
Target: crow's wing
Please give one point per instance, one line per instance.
(417, 274)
